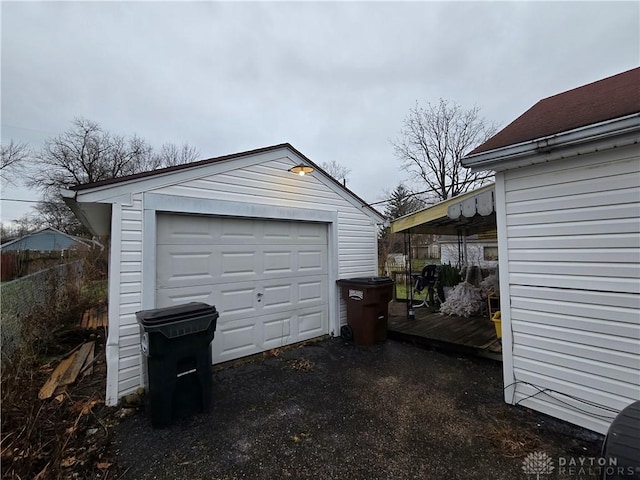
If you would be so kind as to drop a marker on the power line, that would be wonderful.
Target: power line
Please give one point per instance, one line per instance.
(26, 201)
(409, 195)
(5, 125)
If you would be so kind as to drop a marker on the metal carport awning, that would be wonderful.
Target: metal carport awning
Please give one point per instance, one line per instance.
(467, 214)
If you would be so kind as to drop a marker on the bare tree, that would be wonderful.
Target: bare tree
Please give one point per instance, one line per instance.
(172, 154)
(52, 212)
(86, 154)
(434, 140)
(21, 226)
(12, 160)
(337, 171)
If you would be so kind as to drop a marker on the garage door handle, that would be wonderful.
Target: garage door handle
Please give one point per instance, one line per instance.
(259, 295)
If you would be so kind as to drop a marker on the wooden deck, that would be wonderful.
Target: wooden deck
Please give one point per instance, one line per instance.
(473, 335)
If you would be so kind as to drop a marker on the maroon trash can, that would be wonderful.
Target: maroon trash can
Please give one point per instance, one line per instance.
(367, 307)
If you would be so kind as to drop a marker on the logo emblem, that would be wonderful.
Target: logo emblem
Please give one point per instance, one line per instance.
(538, 463)
(356, 294)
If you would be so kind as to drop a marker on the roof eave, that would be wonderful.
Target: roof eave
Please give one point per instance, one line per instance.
(96, 217)
(105, 191)
(612, 133)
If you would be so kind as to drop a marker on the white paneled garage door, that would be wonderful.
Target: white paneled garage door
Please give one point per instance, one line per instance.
(268, 279)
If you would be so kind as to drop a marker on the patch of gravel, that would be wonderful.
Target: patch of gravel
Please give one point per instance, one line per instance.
(333, 410)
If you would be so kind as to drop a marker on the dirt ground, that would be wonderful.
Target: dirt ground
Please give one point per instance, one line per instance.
(331, 410)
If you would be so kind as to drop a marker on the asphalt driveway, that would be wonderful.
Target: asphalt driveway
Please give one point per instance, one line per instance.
(331, 410)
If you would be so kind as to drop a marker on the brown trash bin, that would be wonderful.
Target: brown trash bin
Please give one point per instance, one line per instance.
(367, 307)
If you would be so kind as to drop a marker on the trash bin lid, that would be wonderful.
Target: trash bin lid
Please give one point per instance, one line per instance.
(622, 443)
(174, 313)
(366, 280)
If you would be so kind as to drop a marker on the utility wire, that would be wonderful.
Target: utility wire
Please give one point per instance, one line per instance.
(28, 201)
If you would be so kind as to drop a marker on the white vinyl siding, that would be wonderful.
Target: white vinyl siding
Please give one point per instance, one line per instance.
(268, 184)
(573, 250)
(125, 298)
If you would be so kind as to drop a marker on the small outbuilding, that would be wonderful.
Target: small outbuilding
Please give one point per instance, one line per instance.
(567, 201)
(47, 240)
(250, 233)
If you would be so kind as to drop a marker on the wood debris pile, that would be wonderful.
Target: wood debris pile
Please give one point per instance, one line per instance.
(54, 421)
(95, 317)
(79, 361)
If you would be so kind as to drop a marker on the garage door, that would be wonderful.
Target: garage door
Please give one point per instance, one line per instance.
(268, 279)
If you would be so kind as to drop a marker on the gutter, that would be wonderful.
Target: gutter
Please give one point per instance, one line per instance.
(555, 146)
(70, 199)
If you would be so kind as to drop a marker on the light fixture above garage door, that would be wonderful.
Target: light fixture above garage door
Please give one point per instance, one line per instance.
(301, 169)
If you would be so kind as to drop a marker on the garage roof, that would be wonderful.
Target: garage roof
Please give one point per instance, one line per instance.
(469, 213)
(96, 197)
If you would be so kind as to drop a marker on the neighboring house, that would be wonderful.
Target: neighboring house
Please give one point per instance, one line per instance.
(567, 195)
(241, 232)
(481, 250)
(36, 251)
(47, 240)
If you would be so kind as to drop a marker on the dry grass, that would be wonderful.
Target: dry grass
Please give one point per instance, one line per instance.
(510, 442)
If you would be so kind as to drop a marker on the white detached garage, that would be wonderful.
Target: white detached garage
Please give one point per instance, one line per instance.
(241, 232)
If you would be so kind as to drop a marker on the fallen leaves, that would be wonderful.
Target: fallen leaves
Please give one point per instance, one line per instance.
(68, 462)
(301, 364)
(297, 438)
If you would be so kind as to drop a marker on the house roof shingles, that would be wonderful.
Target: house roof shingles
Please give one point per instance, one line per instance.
(606, 99)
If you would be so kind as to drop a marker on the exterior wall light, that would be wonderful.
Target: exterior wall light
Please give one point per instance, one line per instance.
(301, 169)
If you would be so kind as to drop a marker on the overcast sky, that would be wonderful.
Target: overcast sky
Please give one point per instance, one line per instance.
(334, 79)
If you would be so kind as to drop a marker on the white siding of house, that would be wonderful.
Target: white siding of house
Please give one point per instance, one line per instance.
(572, 255)
(265, 184)
(449, 254)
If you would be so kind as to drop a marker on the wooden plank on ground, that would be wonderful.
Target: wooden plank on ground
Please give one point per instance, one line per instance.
(94, 317)
(104, 316)
(50, 386)
(90, 318)
(87, 366)
(72, 372)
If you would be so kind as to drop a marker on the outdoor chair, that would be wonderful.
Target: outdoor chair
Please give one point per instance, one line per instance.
(428, 281)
